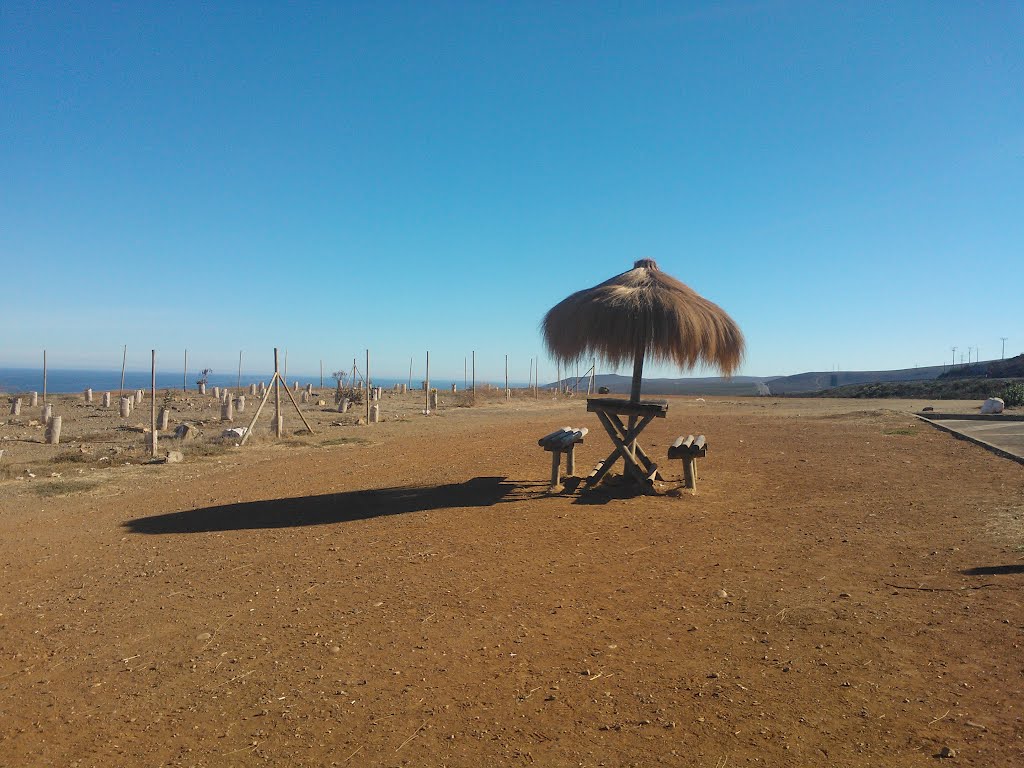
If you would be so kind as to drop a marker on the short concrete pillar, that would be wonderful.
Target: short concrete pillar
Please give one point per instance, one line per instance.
(88, 395)
(15, 406)
(53, 431)
(105, 400)
(343, 405)
(423, 386)
(47, 414)
(33, 399)
(139, 396)
(126, 407)
(263, 388)
(305, 396)
(216, 392)
(273, 424)
(374, 414)
(252, 389)
(309, 388)
(202, 387)
(240, 403)
(164, 419)
(433, 399)
(227, 411)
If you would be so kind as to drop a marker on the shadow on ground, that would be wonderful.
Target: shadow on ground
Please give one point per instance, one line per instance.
(335, 507)
(993, 570)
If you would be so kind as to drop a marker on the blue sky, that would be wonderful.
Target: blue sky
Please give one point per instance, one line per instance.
(846, 180)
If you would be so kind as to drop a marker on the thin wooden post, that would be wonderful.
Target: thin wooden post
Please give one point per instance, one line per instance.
(152, 405)
(285, 374)
(506, 376)
(558, 376)
(44, 377)
(536, 379)
(184, 373)
(529, 380)
(474, 377)
(238, 382)
(321, 374)
(277, 396)
(593, 373)
(465, 374)
(124, 360)
(410, 373)
(426, 386)
(367, 386)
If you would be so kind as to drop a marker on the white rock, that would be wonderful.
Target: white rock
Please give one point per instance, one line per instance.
(993, 405)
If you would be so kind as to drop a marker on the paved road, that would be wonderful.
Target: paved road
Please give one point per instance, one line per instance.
(1006, 435)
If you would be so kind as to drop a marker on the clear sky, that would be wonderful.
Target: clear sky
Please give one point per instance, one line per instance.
(845, 179)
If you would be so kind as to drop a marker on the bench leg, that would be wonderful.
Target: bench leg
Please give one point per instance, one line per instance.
(556, 460)
(690, 473)
(570, 461)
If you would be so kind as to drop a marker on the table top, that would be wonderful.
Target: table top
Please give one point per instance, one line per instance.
(623, 406)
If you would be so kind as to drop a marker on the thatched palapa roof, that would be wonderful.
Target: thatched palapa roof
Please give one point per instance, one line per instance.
(644, 313)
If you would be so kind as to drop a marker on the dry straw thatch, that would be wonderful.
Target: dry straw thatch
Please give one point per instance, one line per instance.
(644, 313)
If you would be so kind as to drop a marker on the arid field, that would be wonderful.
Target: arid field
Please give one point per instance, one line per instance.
(844, 589)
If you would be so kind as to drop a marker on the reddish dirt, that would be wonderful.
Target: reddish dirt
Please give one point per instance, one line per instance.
(421, 600)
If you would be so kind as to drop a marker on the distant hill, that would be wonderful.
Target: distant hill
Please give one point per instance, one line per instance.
(1012, 367)
(935, 389)
(807, 383)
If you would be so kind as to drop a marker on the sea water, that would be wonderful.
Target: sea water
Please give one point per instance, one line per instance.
(69, 380)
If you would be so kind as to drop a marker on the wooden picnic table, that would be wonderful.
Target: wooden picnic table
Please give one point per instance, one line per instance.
(610, 411)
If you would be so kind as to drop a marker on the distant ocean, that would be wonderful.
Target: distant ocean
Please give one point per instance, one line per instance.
(63, 381)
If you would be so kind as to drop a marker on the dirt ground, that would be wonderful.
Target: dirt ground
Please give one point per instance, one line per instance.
(844, 589)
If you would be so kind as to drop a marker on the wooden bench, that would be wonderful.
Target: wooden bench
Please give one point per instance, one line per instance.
(562, 441)
(688, 449)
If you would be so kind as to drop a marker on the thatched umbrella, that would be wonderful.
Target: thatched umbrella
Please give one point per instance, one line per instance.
(643, 314)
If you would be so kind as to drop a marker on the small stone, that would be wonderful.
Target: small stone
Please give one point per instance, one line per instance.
(175, 457)
(844, 595)
(713, 676)
(722, 593)
(203, 636)
(335, 649)
(947, 752)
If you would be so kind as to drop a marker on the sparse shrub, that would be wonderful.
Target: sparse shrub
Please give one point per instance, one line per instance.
(1013, 395)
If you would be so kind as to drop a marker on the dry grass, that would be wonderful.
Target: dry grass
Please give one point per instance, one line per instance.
(63, 487)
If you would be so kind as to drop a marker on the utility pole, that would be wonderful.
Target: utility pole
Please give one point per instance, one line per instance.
(1002, 355)
(969, 350)
(954, 357)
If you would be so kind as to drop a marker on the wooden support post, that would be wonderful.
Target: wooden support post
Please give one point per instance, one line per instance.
(556, 461)
(53, 431)
(238, 381)
(506, 374)
(321, 374)
(44, 377)
(184, 373)
(299, 411)
(474, 377)
(152, 406)
(426, 387)
(570, 460)
(367, 386)
(690, 473)
(124, 361)
(276, 384)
